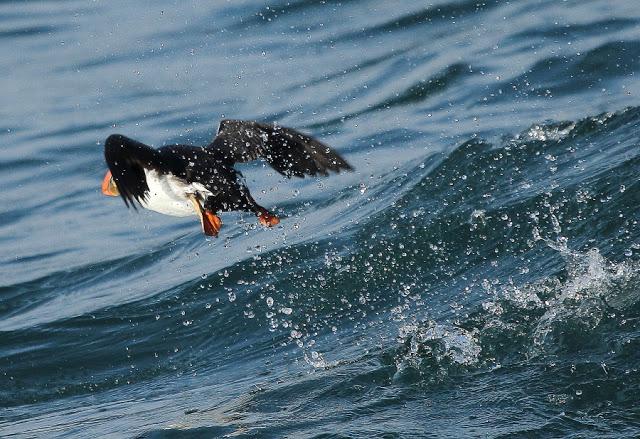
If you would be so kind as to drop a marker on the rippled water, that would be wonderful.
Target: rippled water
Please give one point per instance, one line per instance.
(477, 276)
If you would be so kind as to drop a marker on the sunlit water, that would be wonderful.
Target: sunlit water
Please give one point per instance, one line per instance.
(477, 276)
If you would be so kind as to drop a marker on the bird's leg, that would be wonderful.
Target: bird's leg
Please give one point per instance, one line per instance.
(265, 217)
(211, 223)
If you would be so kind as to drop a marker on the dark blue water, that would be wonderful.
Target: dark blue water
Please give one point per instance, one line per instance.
(477, 276)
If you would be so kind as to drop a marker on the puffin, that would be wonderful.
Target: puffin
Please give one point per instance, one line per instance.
(185, 180)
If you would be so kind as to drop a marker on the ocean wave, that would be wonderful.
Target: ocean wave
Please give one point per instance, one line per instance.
(476, 275)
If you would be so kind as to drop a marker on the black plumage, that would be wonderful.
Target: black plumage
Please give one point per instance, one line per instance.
(288, 151)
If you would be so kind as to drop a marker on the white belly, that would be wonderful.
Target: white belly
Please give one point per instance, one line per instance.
(168, 194)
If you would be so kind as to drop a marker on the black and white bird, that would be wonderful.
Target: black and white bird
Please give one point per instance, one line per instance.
(184, 180)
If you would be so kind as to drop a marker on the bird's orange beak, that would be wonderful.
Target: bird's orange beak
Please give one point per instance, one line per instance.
(109, 186)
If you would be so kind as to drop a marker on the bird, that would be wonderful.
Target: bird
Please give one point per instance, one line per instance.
(186, 180)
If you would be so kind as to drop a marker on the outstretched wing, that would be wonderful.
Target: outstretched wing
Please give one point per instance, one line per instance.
(288, 151)
(127, 159)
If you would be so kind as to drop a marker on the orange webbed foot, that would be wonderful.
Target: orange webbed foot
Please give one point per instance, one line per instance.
(268, 219)
(211, 223)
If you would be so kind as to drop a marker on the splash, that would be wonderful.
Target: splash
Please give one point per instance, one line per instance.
(560, 315)
(556, 314)
(433, 351)
(594, 289)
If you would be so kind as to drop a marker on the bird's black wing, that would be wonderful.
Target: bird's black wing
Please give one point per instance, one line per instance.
(288, 151)
(127, 159)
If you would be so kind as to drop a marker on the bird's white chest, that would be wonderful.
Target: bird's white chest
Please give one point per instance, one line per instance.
(168, 194)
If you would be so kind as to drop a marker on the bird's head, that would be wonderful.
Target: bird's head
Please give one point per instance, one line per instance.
(109, 186)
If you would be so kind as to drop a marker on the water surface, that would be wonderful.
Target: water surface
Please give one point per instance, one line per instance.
(477, 276)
